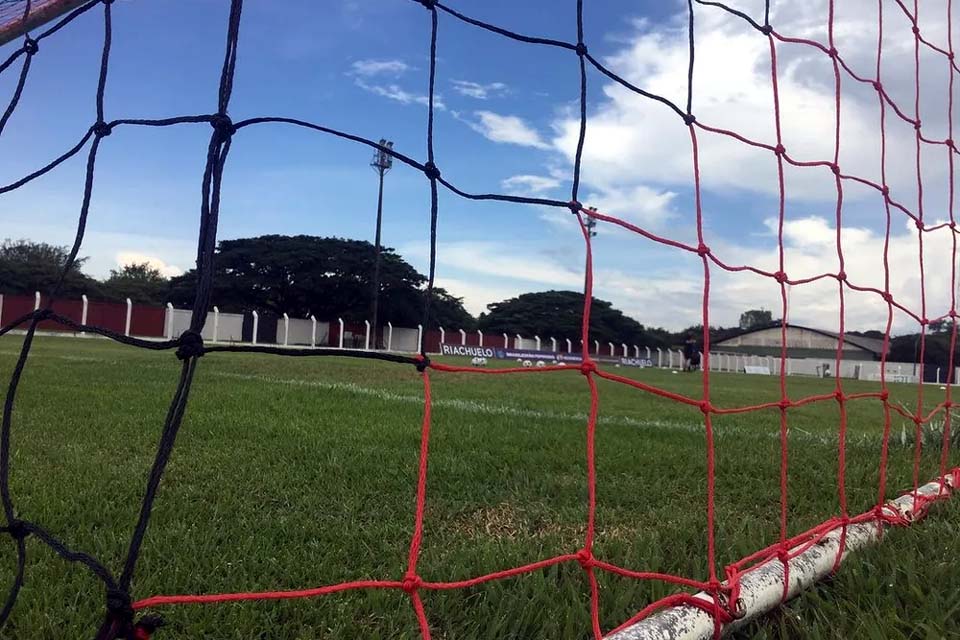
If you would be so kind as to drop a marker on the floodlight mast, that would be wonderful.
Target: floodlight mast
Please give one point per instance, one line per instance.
(381, 163)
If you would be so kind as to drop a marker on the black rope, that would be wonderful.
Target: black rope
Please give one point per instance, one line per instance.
(67, 19)
(286, 351)
(740, 14)
(504, 32)
(18, 91)
(582, 135)
(191, 344)
(432, 173)
(51, 166)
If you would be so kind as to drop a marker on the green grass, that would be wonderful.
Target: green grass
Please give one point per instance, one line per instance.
(294, 473)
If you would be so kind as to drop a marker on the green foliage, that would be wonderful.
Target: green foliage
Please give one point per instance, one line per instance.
(26, 267)
(559, 314)
(755, 318)
(140, 282)
(326, 277)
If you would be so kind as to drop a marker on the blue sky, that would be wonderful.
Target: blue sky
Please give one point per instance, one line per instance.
(506, 123)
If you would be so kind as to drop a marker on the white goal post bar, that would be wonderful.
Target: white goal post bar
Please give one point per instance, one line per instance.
(42, 12)
(761, 589)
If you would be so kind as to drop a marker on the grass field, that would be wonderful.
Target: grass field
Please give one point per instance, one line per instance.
(294, 473)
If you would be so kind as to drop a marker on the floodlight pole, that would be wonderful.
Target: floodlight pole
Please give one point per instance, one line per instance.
(591, 225)
(381, 163)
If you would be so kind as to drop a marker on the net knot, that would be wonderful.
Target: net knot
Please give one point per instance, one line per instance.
(101, 129)
(785, 404)
(783, 556)
(877, 85)
(916, 124)
(118, 604)
(779, 150)
(885, 190)
(575, 207)
(703, 250)
(916, 30)
(919, 224)
(705, 406)
(223, 125)
(411, 583)
(780, 277)
(832, 52)
(422, 363)
(17, 529)
(949, 142)
(588, 366)
(766, 29)
(887, 296)
(431, 171)
(107, 1)
(839, 396)
(835, 168)
(30, 46)
(191, 345)
(917, 420)
(43, 314)
(842, 276)
(950, 56)
(428, 4)
(585, 558)
(581, 49)
(689, 119)
(947, 405)
(885, 394)
(953, 313)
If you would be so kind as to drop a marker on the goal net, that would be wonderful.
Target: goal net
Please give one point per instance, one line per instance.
(724, 596)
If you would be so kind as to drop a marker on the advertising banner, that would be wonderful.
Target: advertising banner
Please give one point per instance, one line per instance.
(500, 353)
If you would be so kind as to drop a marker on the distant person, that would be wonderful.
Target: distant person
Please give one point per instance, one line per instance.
(691, 355)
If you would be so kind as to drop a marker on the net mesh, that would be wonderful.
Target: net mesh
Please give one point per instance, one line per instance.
(123, 615)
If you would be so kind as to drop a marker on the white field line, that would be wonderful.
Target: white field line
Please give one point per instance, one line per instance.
(472, 406)
(482, 408)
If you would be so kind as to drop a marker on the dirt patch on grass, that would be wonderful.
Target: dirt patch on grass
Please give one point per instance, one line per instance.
(507, 521)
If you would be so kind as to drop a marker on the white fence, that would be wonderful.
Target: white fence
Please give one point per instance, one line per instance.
(219, 327)
(826, 368)
(299, 332)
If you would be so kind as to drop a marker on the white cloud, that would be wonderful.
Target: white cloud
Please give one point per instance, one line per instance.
(507, 129)
(478, 90)
(638, 204)
(511, 263)
(398, 94)
(633, 139)
(379, 67)
(529, 184)
(133, 257)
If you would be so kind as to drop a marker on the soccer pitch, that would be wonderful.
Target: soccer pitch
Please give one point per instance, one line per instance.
(291, 473)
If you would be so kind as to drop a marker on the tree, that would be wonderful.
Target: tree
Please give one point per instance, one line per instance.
(755, 318)
(26, 267)
(559, 314)
(139, 281)
(326, 277)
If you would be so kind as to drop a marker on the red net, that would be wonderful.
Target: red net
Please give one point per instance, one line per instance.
(722, 604)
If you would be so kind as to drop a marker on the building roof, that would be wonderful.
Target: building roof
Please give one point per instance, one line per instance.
(873, 345)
